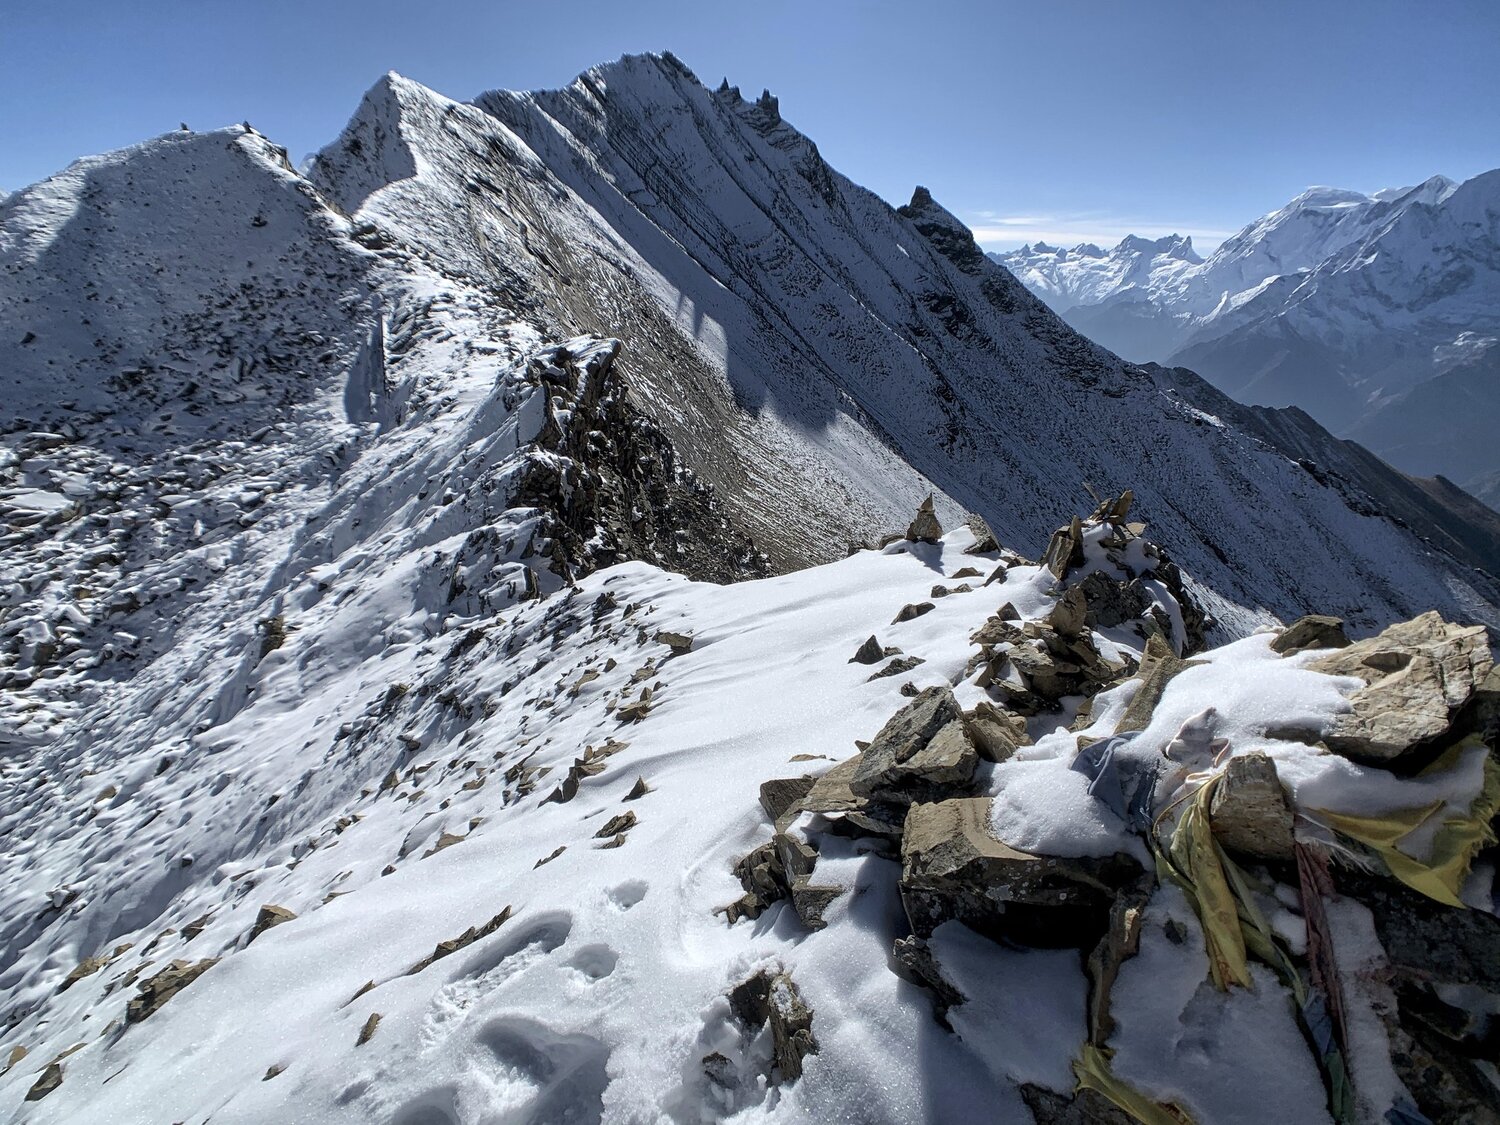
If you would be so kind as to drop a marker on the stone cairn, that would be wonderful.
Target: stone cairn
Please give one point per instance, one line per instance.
(912, 795)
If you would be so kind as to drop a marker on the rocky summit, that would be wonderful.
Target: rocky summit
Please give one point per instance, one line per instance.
(567, 609)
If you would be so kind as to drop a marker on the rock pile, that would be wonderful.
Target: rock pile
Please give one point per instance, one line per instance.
(1219, 823)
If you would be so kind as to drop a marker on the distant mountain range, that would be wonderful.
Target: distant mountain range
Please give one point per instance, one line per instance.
(1378, 314)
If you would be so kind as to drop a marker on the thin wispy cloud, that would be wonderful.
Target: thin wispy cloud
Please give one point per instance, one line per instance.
(997, 231)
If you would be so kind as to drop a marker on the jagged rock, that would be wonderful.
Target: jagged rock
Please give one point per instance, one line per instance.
(1250, 813)
(1120, 942)
(367, 1032)
(616, 825)
(270, 916)
(1064, 550)
(911, 612)
(1068, 615)
(1418, 675)
(1312, 631)
(913, 961)
(996, 732)
(1428, 942)
(444, 840)
(1158, 665)
(157, 989)
(810, 900)
(774, 999)
(780, 794)
(953, 868)
(896, 667)
(677, 642)
(964, 572)
(87, 967)
(1111, 602)
(764, 879)
(869, 653)
(1481, 715)
(50, 1079)
(272, 1071)
(984, 539)
(549, 858)
(925, 527)
(922, 751)
(467, 938)
(638, 790)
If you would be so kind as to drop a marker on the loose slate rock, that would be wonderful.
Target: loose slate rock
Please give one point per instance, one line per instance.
(51, 1078)
(467, 938)
(868, 653)
(913, 611)
(780, 794)
(888, 763)
(156, 990)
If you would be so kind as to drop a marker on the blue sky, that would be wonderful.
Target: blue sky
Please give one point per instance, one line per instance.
(1063, 120)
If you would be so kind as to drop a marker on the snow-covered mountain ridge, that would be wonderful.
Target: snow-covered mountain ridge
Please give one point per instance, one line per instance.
(1350, 306)
(352, 515)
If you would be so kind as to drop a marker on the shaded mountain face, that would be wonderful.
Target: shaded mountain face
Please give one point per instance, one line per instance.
(1343, 304)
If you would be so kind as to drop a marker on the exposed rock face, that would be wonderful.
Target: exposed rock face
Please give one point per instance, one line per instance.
(1418, 674)
(953, 867)
(1313, 631)
(1250, 812)
(156, 990)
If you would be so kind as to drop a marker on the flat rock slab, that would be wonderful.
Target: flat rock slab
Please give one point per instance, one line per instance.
(953, 868)
(1417, 675)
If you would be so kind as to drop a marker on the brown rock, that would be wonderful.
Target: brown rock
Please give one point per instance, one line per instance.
(156, 990)
(50, 1079)
(677, 642)
(1249, 812)
(869, 653)
(925, 527)
(996, 732)
(953, 868)
(779, 795)
(1312, 631)
(465, 939)
(912, 612)
(616, 825)
(908, 759)
(269, 917)
(1418, 675)
(984, 539)
(367, 1032)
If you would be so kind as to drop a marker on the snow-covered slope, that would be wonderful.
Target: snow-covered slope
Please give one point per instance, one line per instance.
(343, 515)
(1340, 303)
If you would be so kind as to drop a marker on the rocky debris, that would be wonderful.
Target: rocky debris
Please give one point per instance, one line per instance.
(996, 732)
(913, 961)
(964, 572)
(638, 709)
(549, 858)
(761, 874)
(270, 916)
(615, 829)
(953, 867)
(87, 967)
(922, 753)
(1159, 664)
(896, 667)
(462, 941)
(1065, 549)
(773, 998)
(677, 642)
(367, 1032)
(868, 653)
(50, 1079)
(638, 790)
(913, 611)
(1250, 813)
(924, 528)
(1418, 674)
(984, 543)
(156, 990)
(1032, 666)
(1120, 942)
(590, 764)
(444, 840)
(1313, 631)
(272, 1071)
(779, 795)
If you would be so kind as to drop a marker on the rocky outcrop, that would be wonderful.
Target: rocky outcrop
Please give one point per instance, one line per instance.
(157, 989)
(1417, 675)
